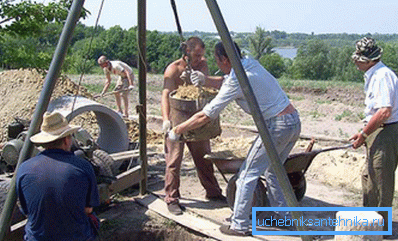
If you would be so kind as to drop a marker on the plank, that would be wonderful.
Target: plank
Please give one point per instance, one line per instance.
(200, 224)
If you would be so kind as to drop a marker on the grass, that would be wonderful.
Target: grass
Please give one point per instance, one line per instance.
(295, 98)
(154, 88)
(156, 112)
(320, 102)
(320, 85)
(315, 114)
(345, 113)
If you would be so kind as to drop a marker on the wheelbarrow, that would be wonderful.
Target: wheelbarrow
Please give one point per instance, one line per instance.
(296, 165)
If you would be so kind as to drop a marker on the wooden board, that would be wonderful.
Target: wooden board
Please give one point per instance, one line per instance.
(200, 224)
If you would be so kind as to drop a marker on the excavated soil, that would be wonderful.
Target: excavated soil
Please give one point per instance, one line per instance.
(190, 92)
(20, 91)
(330, 116)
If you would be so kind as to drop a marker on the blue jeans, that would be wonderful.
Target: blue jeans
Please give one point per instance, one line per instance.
(284, 131)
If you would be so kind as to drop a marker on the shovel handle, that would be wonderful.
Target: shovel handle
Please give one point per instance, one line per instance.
(111, 93)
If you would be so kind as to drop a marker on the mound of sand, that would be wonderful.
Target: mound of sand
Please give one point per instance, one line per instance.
(20, 91)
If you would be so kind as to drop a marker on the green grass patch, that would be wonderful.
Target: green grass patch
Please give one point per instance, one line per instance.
(319, 85)
(346, 113)
(315, 114)
(248, 122)
(320, 102)
(154, 88)
(156, 112)
(296, 98)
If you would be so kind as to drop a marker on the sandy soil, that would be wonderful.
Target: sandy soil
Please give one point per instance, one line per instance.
(331, 117)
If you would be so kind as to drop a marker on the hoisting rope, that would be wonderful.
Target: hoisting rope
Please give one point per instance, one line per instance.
(86, 57)
(183, 44)
(183, 47)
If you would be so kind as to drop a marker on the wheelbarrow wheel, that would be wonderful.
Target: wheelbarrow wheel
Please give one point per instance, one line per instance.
(300, 190)
(299, 184)
(259, 198)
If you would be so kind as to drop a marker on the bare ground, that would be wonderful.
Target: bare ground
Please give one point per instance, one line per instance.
(333, 177)
(330, 116)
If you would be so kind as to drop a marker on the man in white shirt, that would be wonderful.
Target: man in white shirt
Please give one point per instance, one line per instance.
(380, 134)
(124, 84)
(282, 121)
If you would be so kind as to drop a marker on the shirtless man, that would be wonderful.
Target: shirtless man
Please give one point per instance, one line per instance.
(174, 76)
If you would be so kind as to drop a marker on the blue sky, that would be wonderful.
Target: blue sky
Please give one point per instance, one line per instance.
(291, 16)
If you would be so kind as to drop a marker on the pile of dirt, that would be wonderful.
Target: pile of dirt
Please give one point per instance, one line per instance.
(153, 137)
(20, 91)
(190, 92)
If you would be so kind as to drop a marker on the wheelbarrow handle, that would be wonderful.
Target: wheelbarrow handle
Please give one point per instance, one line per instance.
(336, 148)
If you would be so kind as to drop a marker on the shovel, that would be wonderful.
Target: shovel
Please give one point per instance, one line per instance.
(110, 93)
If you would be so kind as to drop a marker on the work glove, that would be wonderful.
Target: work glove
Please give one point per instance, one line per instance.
(198, 78)
(166, 126)
(185, 75)
(174, 136)
(131, 87)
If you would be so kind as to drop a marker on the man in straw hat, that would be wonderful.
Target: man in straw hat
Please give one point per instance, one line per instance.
(380, 133)
(124, 83)
(57, 190)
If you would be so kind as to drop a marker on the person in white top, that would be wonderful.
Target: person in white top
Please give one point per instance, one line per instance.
(282, 121)
(380, 134)
(124, 84)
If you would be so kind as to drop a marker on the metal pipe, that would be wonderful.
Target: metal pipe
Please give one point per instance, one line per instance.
(141, 31)
(276, 164)
(41, 107)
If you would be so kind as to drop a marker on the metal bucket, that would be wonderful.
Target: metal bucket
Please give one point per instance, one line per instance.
(182, 109)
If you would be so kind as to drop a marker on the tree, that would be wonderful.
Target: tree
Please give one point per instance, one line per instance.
(312, 61)
(343, 67)
(27, 18)
(390, 55)
(274, 63)
(260, 43)
(162, 49)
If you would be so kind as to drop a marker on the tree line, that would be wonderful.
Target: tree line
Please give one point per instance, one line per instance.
(30, 43)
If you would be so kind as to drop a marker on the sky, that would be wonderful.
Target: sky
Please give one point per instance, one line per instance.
(291, 16)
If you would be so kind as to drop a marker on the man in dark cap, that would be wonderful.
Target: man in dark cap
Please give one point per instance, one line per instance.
(380, 134)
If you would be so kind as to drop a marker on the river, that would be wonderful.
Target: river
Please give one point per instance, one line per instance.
(286, 52)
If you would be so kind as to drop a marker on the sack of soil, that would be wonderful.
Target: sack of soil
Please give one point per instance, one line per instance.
(185, 102)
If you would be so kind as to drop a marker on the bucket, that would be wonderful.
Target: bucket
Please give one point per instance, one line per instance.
(182, 109)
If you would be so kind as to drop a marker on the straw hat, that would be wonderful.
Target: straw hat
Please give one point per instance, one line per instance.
(54, 127)
(102, 60)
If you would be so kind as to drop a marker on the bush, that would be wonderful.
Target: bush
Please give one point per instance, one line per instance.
(274, 63)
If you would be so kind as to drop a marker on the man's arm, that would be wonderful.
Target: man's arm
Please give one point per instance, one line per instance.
(197, 120)
(375, 122)
(130, 77)
(107, 83)
(169, 85)
(214, 81)
(210, 81)
(88, 210)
